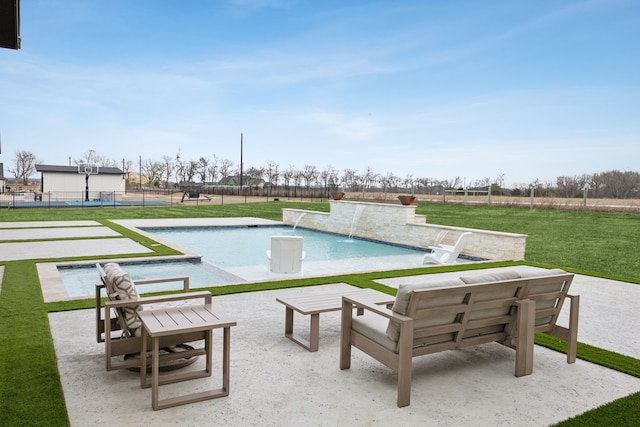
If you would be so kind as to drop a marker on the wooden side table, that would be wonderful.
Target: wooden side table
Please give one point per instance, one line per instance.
(180, 320)
(313, 305)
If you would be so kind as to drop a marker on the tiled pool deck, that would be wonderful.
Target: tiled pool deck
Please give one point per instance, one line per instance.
(277, 383)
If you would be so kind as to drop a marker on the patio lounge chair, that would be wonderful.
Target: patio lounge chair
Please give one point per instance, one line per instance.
(446, 254)
(286, 255)
(118, 326)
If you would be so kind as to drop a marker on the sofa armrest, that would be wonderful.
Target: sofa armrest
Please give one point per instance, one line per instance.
(375, 308)
(183, 279)
(347, 332)
(206, 295)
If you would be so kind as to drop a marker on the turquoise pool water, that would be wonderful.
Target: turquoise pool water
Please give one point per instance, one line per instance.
(244, 246)
(80, 281)
(238, 254)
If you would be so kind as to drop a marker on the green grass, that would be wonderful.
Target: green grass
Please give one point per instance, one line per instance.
(30, 389)
(598, 244)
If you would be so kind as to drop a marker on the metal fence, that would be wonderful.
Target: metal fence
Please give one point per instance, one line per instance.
(63, 199)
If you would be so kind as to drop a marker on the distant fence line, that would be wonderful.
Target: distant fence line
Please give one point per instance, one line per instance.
(228, 194)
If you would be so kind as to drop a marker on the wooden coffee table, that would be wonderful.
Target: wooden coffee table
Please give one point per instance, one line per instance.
(180, 320)
(315, 304)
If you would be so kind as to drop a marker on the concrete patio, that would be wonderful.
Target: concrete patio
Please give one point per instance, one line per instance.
(275, 382)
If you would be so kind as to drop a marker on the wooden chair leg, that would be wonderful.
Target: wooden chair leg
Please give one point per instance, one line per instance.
(345, 336)
(405, 354)
(525, 324)
(572, 340)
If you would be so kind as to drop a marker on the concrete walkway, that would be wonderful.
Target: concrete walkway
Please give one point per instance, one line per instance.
(67, 246)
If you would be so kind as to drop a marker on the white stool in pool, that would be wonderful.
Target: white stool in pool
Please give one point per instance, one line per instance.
(286, 255)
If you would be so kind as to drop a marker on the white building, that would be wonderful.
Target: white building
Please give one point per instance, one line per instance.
(71, 183)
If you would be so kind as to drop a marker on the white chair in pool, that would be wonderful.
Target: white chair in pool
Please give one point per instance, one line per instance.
(286, 255)
(446, 254)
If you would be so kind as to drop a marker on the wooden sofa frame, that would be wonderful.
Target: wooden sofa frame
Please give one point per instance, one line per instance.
(509, 312)
(119, 341)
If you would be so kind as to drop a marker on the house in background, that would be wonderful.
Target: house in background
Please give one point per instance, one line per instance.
(73, 183)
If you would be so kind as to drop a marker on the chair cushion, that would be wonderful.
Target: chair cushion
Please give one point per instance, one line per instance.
(401, 303)
(120, 286)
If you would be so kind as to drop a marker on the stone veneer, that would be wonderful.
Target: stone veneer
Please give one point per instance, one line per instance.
(399, 224)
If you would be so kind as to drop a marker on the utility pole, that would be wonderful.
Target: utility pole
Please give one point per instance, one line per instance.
(241, 160)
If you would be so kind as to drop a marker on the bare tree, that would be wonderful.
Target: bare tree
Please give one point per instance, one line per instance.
(179, 167)
(598, 185)
(225, 168)
(388, 181)
(98, 159)
(190, 170)
(254, 177)
(368, 178)
(329, 177)
(309, 174)
(569, 186)
(622, 185)
(168, 167)
(408, 183)
(214, 170)
(422, 185)
(272, 172)
(203, 169)
(152, 170)
(24, 165)
(288, 176)
(451, 183)
(348, 179)
(297, 179)
(127, 166)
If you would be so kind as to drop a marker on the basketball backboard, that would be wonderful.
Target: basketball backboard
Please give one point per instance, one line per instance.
(88, 169)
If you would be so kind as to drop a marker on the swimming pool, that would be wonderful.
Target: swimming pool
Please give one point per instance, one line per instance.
(236, 254)
(246, 246)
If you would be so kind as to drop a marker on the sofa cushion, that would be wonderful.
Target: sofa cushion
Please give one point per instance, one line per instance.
(120, 286)
(494, 276)
(374, 326)
(401, 303)
(537, 273)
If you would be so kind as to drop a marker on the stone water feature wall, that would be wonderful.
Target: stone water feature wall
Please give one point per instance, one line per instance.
(397, 223)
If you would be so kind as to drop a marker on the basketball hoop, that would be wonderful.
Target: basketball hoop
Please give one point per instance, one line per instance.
(87, 169)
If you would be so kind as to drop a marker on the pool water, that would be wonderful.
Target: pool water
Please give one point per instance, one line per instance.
(238, 254)
(80, 281)
(245, 246)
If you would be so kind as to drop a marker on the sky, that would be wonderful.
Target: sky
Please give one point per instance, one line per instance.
(520, 90)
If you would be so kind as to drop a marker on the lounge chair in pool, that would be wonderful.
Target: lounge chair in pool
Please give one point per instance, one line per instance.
(440, 237)
(446, 254)
(286, 255)
(118, 325)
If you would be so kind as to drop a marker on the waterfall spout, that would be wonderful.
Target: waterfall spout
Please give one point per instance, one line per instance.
(298, 220)
(356, 218)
